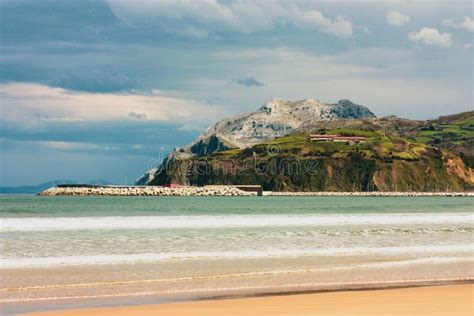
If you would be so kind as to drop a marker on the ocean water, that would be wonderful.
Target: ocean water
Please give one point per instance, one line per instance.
(66, 248)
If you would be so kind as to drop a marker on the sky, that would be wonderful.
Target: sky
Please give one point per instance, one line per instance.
(105, 88)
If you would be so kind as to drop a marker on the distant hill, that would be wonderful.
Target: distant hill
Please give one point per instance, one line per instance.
(34, 189)
(454, 132)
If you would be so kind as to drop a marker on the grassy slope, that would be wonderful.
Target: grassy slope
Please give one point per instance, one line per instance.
(455, 132)
(377, 146)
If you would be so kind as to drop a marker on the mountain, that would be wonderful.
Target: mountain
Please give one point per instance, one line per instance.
(276, 118)
(147, 177)
(34, 189)
(398, 154)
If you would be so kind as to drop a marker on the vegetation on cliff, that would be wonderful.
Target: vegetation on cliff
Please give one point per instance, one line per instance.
(398, 155)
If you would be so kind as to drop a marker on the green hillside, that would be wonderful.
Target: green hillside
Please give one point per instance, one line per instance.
(397, 155)
(454, 132)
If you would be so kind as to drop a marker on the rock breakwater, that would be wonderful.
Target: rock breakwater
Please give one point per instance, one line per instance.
(146, 191)
(222, 190)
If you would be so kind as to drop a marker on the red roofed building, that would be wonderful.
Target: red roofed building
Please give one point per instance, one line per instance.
(351, 140)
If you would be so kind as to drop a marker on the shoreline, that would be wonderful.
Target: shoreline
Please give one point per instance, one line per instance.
(226, 190)
(421, 299)
(130, 300)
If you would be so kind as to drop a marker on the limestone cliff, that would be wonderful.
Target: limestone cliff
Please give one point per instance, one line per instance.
(276, 118)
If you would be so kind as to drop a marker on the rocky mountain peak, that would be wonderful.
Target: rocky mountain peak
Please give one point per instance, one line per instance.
(285, 106)
(278, 117)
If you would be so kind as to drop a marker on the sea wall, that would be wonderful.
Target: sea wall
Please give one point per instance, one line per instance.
(147, 191)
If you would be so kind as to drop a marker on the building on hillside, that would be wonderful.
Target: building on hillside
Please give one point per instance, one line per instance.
(321, 138)
(351, 140)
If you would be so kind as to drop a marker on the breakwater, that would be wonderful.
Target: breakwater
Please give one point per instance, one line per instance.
(222, 190)
(145, 191)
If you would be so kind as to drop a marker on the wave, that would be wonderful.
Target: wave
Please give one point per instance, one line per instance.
(225, 221)
(209, 255)
(372, 232)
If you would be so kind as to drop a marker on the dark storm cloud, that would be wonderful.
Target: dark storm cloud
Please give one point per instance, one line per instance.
(249, 82)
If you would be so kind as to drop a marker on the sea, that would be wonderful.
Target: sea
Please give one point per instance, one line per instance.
(62, 252)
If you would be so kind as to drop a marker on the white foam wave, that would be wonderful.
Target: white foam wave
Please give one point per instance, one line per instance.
(226, 221)
(208, 255)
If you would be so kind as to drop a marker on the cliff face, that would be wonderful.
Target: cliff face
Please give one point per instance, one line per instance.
(352, 171)
(147, 177)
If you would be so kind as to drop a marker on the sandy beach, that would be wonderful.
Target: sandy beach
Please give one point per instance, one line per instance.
(437, 300)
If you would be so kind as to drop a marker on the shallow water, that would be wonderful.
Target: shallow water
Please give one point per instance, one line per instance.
(76, 247)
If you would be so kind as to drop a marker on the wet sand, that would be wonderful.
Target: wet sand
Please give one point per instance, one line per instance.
(436, 300)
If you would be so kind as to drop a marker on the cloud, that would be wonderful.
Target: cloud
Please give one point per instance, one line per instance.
(39, 104)
(138, 116)
(199, 19)
(432, 37)
(408, 84)
(397, 19)
(94, 80)
(74, 146)
(97, 136)
(59, 146)
(248, 82)
(467, 24)
(313, 19)
(290, 66)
